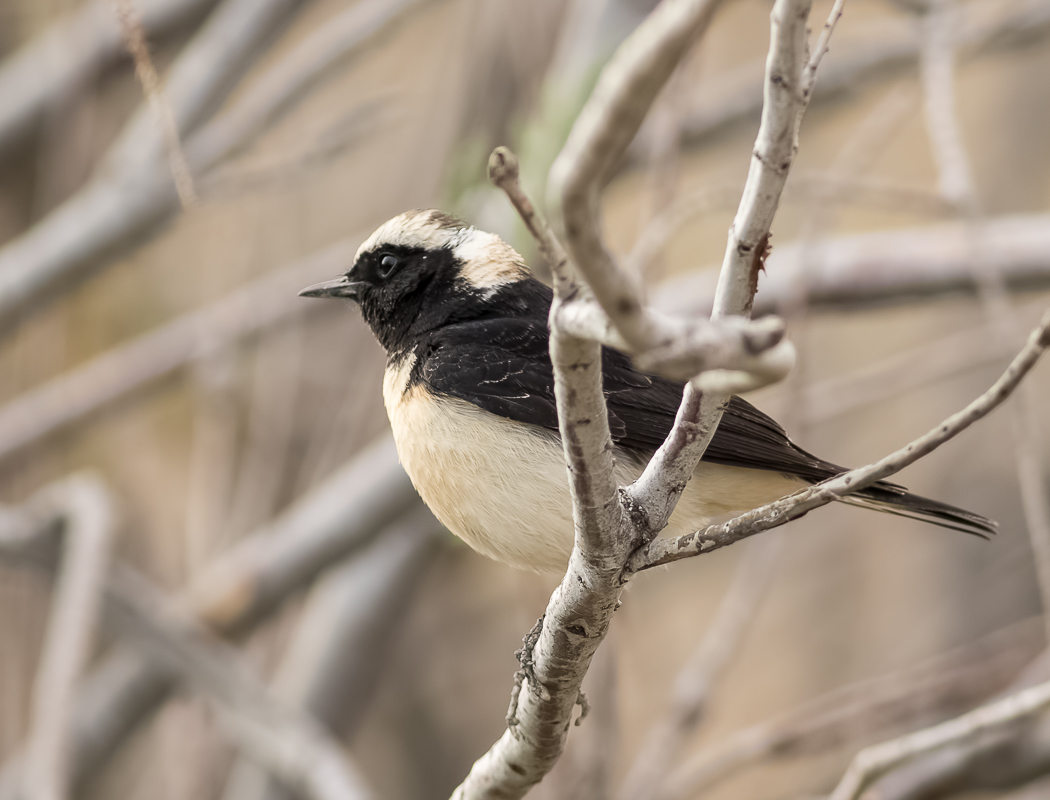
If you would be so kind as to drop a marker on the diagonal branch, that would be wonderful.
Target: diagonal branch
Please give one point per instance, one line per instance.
(941, 685)
(664, 551)
(132, 191)
(287, 742)
(787, 91)
(609, 524)
(873, 762)
(238, 591)
(43, 71)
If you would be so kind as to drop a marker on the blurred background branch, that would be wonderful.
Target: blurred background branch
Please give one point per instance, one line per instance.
(164, 351)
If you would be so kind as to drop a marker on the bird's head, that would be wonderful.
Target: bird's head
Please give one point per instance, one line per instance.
(422, 269)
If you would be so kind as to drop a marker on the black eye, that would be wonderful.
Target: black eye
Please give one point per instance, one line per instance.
(387, 264)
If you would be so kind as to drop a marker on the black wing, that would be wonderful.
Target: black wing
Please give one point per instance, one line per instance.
(503, 366)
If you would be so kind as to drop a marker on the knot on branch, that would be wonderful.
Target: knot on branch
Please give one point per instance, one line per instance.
(585, 708)
(503, 166)
(527, 672)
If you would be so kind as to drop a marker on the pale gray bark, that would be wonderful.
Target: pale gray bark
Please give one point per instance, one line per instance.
(73, 50)
(237, 592)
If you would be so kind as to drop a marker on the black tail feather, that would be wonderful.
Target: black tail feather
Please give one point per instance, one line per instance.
(891, 499)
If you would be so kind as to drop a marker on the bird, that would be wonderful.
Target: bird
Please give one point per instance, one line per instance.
(469, 391)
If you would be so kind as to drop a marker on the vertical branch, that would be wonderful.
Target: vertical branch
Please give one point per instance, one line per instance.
(787, 92)
(88, 520)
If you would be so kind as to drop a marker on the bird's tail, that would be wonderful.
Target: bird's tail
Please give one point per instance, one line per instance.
(892, 499)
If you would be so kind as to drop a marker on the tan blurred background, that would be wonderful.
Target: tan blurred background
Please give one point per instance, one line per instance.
(206, 454)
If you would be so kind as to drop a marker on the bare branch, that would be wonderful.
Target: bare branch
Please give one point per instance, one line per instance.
(886, 49)
(665, 476)
(85, 507)
(605, 127)
(83, 390)
(943, 684)
(664, 551)
(277, 736)
(133, 192)
(581, 608)
(135, 40)
(874, 762)
(896, 265)
(331, 666)
(741, 354)
(238, 591)
(76, 47)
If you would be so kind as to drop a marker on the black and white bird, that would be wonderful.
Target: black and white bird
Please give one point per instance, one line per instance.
(469, 390)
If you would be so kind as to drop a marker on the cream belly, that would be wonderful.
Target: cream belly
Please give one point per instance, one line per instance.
(502, 486)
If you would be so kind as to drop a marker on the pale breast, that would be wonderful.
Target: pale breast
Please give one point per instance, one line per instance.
(499, 485)
(502, 486)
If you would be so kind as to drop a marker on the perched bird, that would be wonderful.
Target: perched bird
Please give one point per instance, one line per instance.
(469, 390)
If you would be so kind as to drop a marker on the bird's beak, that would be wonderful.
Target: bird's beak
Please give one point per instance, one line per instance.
(340, 287)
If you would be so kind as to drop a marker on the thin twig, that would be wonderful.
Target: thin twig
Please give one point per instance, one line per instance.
(70, 397)
(280, 738)
(664, 551)
(351, 617)
(956, 183)
(75, 47)
(238, 591)
(135, 40)
(86, 510)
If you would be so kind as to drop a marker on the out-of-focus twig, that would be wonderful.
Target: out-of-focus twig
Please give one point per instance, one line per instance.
(943, 684)
(132, 189)
(956, 183)
(885, 50)
(919, 366)
(698, 678)
(332, 664)
(135, 40)
(874, 762)
(237, 591)
(898, 265)
(271, 424)
(283, 740)
(86, 510)
(43, 71)
(824, 187)
(133, 192)
(110, 376)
